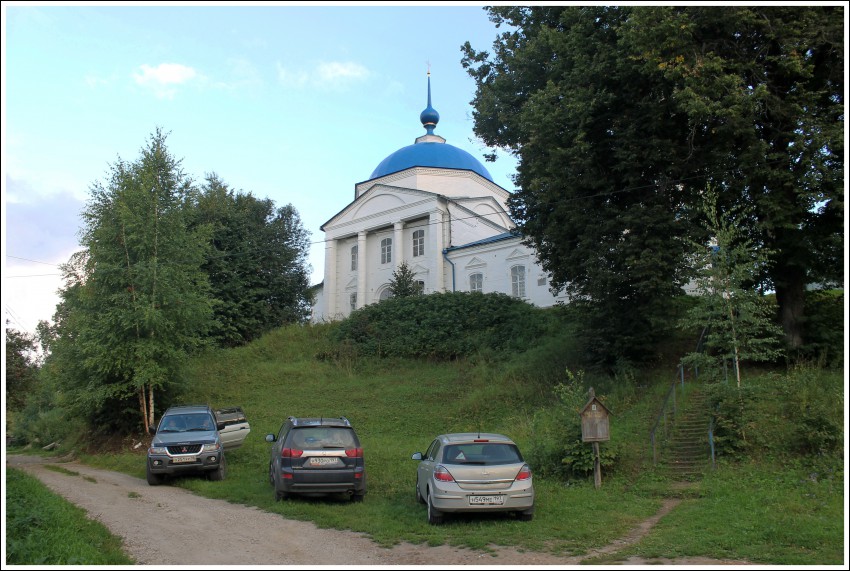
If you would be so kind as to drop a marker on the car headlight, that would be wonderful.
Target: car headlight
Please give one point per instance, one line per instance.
(157, 450)
(214, 447)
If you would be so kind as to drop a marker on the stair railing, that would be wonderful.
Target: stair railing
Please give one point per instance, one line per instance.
(670, 398)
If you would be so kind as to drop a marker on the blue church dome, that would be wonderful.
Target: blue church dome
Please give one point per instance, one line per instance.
(430, 150)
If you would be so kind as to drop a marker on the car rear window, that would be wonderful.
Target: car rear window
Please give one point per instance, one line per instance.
(318, 437)
(486, 454)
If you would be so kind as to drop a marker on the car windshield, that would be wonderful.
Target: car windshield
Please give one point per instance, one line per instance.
(187, 423)
(482, 453)
(316, 437)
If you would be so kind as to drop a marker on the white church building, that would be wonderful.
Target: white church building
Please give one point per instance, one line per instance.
(435, 207)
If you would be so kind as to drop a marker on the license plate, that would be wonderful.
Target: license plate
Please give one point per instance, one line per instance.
(486, 500)
(322, 461)
(183, 459)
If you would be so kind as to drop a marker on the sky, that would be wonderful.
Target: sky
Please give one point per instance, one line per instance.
(295, 103)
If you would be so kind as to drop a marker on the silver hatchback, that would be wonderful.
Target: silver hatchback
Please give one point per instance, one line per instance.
(473, 472)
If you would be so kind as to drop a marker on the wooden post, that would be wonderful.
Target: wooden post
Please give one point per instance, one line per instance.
(597, 469)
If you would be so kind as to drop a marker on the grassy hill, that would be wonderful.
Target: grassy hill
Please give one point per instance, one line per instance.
(770, 504)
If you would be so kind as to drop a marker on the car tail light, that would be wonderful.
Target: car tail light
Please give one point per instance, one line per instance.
(442, 475)
(481, 440)
(354, 453)
(291, 453)
(524, 473)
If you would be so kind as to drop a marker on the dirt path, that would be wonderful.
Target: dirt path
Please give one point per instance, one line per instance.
(159, 527)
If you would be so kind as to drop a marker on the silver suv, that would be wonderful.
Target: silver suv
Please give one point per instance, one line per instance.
(317, 456)
(186, 442)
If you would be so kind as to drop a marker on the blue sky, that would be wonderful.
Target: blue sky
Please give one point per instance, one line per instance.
(295, 103)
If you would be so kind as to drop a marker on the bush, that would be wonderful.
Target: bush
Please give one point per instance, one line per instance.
(445, 326)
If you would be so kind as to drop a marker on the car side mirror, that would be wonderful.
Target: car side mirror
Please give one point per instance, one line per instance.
(152, 430)
(220, 426)
(270, 438)
(416, 456)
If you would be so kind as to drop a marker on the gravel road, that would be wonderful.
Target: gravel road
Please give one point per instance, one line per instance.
(161, 526)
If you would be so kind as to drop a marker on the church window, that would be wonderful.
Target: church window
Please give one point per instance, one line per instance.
(476, 282)
(420, 287)
(386, 250)
(385, 294)
(518, 281)
(418, 243)
(352, 299)
(541, 281)
(354, 258)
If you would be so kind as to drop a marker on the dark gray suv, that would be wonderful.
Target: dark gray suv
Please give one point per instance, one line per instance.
(187, 441)
(317, 456)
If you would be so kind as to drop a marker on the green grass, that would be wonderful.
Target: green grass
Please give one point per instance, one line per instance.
(759, 513)
(44, 529)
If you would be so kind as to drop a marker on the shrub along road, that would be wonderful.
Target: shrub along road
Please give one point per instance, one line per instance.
(164, 525)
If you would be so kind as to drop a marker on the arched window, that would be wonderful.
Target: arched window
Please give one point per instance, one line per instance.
(354, 258)
(418, 243)
(518, 281)
(386, 251)
(476, 282)
(385, 294)
(420, 287)
(352, 299)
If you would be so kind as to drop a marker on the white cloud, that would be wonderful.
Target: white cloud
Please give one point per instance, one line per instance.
(326, 74)
(334, 72)
(163, 78)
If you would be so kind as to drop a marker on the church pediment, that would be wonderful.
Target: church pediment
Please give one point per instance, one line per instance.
(475, 262)
(517, 255)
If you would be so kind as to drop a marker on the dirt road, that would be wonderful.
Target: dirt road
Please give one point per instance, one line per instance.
(160, 527)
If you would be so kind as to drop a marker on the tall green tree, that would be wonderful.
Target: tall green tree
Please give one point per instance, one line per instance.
(403, 282)
(738, 322)
(620, 115)
(21, 366)
(257, 264)
(136, 301)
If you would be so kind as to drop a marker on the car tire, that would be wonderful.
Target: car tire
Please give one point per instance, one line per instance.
(527, 515)
(219, 473)
(153, 479)
(435, 517)
(280, 495)
(357, 497)
(419, 499)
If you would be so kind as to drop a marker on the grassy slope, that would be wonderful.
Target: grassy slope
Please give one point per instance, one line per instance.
(398, 406)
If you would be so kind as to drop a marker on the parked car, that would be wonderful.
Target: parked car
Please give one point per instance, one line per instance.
(317, 456)
(191, 439)
(473, 472)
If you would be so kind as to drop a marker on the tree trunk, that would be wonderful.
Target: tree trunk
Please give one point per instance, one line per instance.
(143, 408)
(150, 405)
(790, 296)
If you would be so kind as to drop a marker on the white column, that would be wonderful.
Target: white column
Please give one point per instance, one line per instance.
(398, 248)
(361, 269)
(331, 293)
(437, 231)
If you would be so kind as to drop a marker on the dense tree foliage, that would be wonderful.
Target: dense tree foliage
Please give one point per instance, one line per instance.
(257, 266)
(136, 301)
(21, 367)
(619, 116)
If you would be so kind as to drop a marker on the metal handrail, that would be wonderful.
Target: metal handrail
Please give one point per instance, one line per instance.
(662, 414)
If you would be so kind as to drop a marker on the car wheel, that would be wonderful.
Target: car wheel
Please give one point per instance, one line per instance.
(527, 515)
(357, 497)
(419, 499)
(280, 495)
(219, 473)
(435, 517)
(153, 479)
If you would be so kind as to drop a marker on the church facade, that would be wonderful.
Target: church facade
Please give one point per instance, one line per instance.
(435, 207)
